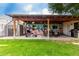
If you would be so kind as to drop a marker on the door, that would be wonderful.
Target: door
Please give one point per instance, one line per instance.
(21, 30)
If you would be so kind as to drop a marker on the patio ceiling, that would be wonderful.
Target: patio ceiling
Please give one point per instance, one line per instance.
(52, 18)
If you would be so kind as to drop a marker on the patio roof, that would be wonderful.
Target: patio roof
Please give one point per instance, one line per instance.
(54, 18)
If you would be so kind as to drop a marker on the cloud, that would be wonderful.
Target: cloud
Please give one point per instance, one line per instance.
(28, 7)
(45, 11)
(34, 13)
(42, 12)
(55, 14)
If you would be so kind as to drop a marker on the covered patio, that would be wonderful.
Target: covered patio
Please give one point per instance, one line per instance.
(56, 25)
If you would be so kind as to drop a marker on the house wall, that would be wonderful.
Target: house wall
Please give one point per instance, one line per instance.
(3, 24)
(67, 26)
(3, 28)
(17, 29)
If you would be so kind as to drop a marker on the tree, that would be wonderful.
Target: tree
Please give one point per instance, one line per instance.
(64, 8)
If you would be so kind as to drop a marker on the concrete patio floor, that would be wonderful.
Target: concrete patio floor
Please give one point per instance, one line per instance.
(65, 38)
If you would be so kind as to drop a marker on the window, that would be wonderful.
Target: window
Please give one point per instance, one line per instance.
(76, 25)
(54, 27)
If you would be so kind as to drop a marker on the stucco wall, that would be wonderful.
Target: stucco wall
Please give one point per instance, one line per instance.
(3, 21)
(18, 29)
(67, 26)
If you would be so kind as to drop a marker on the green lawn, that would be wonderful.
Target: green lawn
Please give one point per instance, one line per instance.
(37, 48)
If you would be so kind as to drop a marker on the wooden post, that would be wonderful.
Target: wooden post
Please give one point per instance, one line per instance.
(48, 27)
(14, 27)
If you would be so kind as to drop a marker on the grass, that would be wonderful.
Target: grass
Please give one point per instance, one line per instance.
(37, 48)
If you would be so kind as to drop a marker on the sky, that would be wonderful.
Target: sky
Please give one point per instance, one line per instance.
(24, 8)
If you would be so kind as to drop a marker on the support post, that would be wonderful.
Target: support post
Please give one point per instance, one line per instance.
(18, 28)
(14, 27)
(48, 27)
